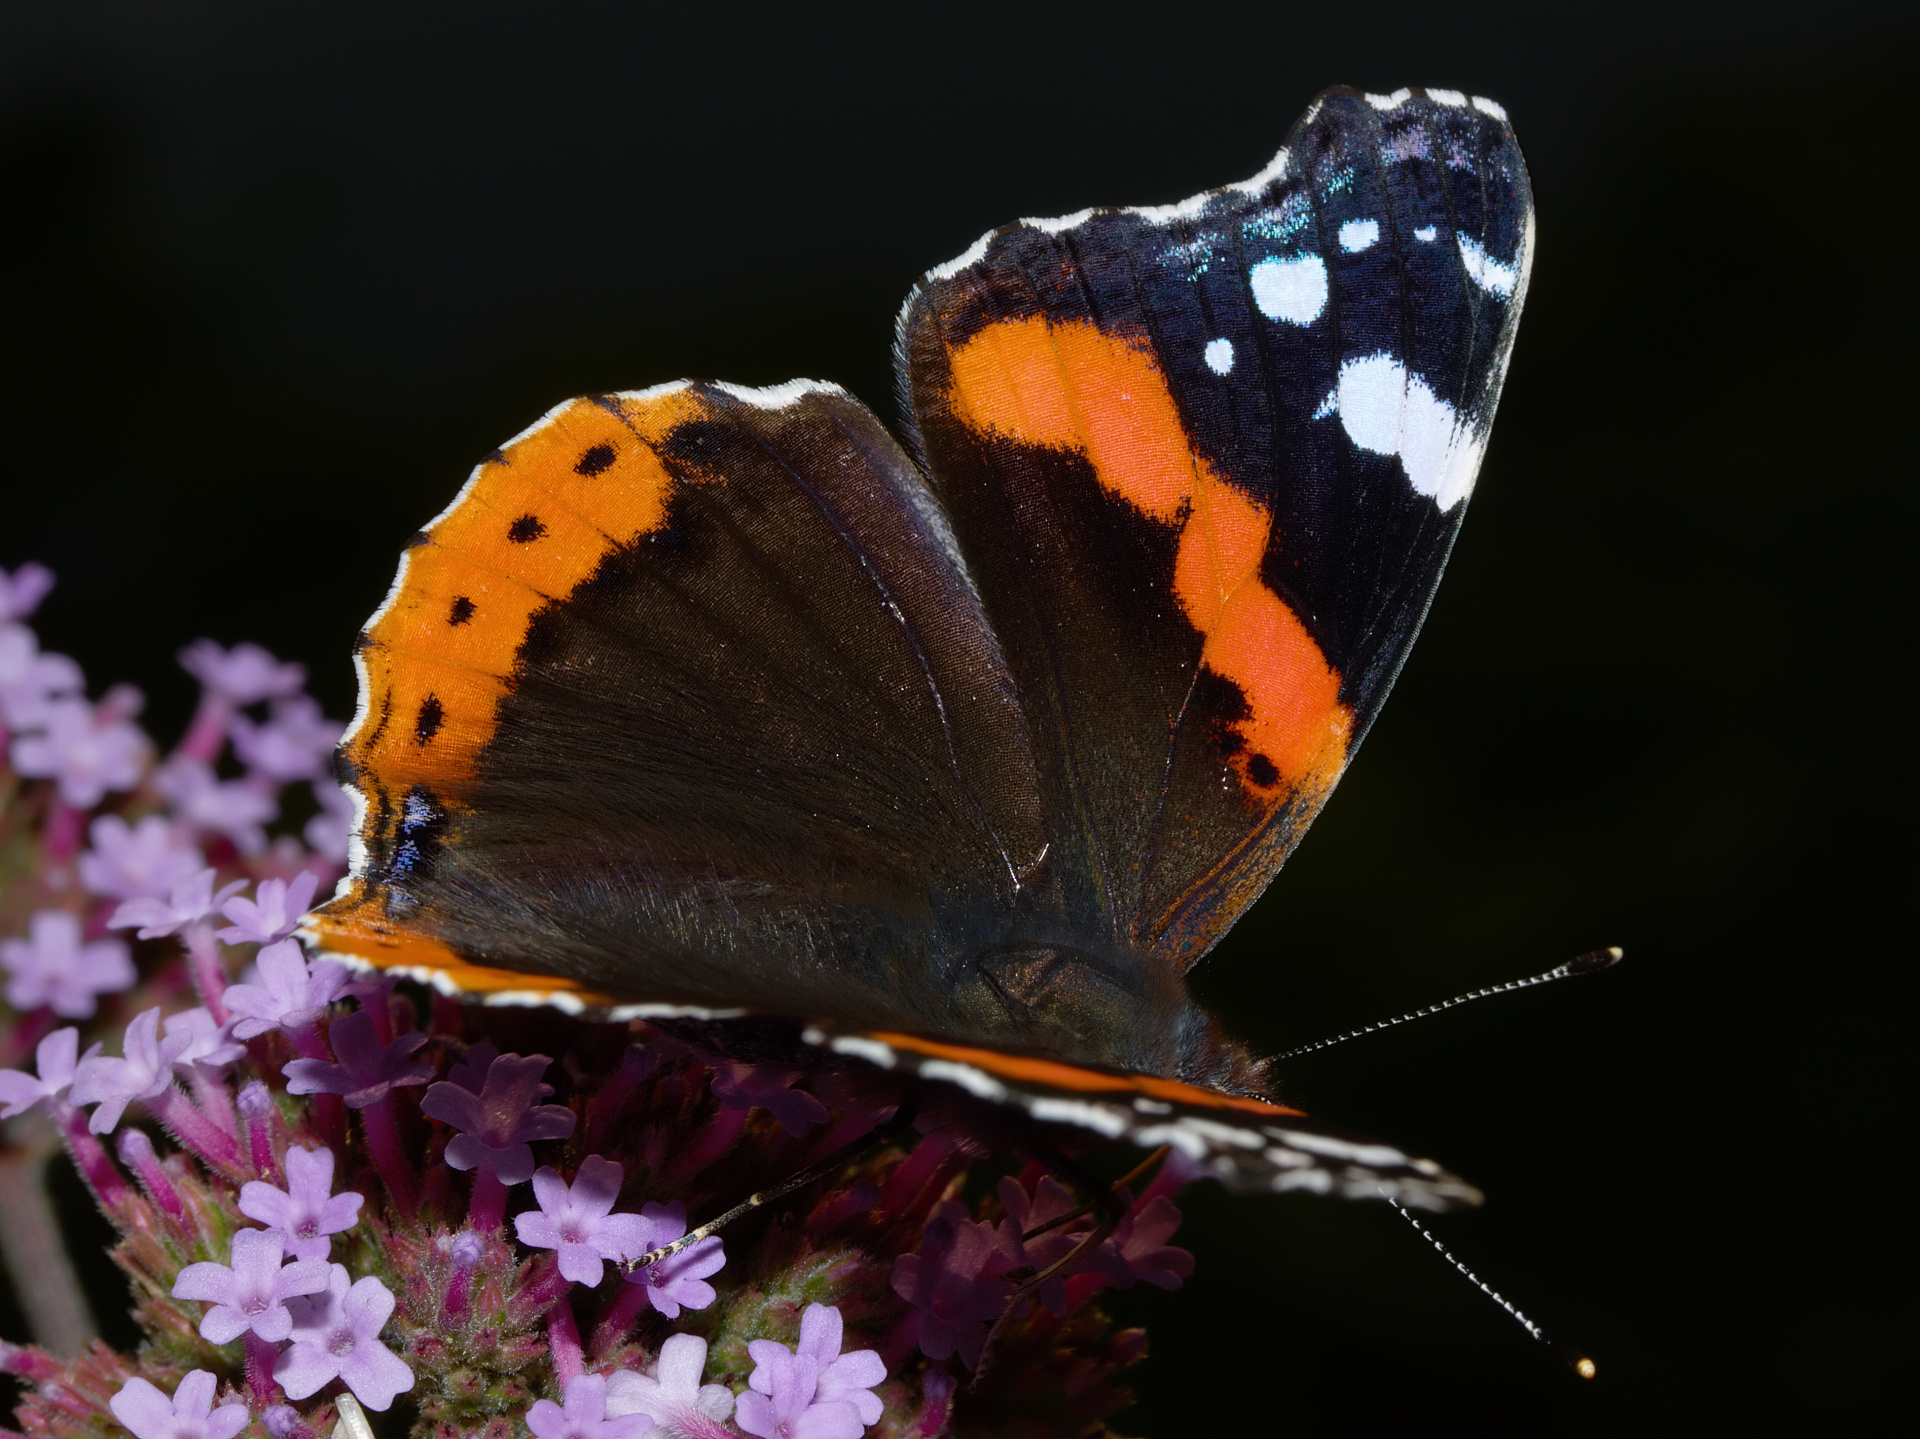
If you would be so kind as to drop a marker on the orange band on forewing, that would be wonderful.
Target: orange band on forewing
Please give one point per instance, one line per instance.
(442, 653)
(1023, 1069)
(1068, 385)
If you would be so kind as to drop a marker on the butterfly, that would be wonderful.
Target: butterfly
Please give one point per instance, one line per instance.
(946, 754)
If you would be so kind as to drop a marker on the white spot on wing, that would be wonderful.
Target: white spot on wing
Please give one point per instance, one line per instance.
(1358, 235)
(1387, 409)
(1447, 97)
(1390, 102)
(1488, 273)
(974, 1081)
(1426, 233)
(1490, 107)
(1219, 356)
(871, 1050)
(1291, 290)
(1097, 1117)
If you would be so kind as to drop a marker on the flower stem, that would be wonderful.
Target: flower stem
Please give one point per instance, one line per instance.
(618, 1316)
(90, 1158)
(136, 1152)
(209, 971)
(563, 1340)
(489, 1209)
(44, 1279)
(193, 1129)
(260, 1356)
(389, 1156)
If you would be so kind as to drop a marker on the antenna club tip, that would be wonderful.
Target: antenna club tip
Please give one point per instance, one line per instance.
(1597, 960)
(1584, 1366)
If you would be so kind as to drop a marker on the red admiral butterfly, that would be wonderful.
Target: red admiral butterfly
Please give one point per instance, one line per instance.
(724, 708)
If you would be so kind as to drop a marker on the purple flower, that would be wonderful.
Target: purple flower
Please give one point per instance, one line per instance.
(145, 1072)
(307, 1210)
(585, 1416)
(148, 1413)
(209, 1042)
(367, 1070)
(138, 861)
(272, 913)
(88, 756)
(680, 1281)
(253, 1292)
(52, 967)
(844, 1378)
(1138, 1249)
(243, 675)
(22, 591)
(1050, 1200)
(293, 745)
(576, 1222)
(232, 807)
(815, 1393)
(328, 832)
(676, 1398)
(490, 1100)
(188, 900)
(749, 1086)
(56, 1060)
(337, 1335)
(290, 995)
(956, 1282)
(29, 680)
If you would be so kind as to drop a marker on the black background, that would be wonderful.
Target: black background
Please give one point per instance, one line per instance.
(273, 282)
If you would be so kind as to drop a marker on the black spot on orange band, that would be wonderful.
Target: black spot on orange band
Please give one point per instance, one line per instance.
(461, 612)
(431, 717)
(596, 459)
(526, 529)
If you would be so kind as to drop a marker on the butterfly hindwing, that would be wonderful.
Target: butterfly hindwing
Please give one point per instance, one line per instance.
(1206, 463)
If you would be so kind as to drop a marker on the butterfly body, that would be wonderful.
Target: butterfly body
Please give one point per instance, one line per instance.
(703, 701)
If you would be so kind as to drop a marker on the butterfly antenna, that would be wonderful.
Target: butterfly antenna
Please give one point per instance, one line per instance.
(1592, 963)
(1573, 1358)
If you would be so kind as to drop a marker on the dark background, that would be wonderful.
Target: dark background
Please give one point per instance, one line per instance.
(273, 282)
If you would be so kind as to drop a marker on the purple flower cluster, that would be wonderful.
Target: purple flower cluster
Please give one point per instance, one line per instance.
(483, 1192)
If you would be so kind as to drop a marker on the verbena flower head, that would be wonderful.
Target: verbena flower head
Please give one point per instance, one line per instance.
(231, 808)
(251, 1292)
(490, 1099)
(144, 1071)
(336, 1335)
(673, 1396)
(291, 993)
(188, 901)
(52, 966)
(307, 1211)
(294, 744)
(273, 911)
(681, 1281)
(585, 1415)
(367, 1070)
(137, 861)
(22, 591)
(87, 755)
(812, 1391)
(55, 1060)
(261, 1097)
(147, 1412)
(243, 675)
(31, 681)
(576, 1221)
